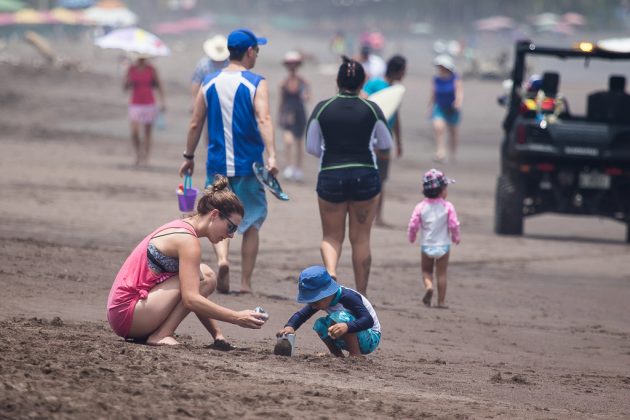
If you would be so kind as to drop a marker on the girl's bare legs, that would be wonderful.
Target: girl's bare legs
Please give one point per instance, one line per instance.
(289, 142)
(439, 128)
(333, 217)
(427, 277)
(135, 140)
(158, 316)
(147, 143)
(454, 141)
(362, 214)
(440, 272)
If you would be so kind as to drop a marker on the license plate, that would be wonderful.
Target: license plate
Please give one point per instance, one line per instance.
(594, 180)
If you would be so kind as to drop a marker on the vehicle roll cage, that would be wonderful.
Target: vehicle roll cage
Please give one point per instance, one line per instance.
(526, 47)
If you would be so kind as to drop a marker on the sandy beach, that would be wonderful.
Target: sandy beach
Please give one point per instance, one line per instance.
(537, 326)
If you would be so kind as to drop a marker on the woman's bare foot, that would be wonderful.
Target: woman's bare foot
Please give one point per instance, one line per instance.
(223, 279)
(164, 341)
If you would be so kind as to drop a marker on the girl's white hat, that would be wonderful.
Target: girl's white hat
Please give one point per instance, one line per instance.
(444, 60)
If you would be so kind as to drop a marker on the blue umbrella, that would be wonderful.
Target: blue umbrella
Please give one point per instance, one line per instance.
(75, 4)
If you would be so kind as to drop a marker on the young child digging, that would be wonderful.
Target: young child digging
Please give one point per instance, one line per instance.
(351, 323)
(438, 220)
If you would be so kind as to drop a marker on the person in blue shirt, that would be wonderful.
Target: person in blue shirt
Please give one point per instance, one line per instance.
(396, 69)
(351, 323)
(235, 104)
(445, 106)
(216, 58)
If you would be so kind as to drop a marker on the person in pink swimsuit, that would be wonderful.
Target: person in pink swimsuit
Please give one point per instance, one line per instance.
(437, 220)
(163, 280)
(141, 79)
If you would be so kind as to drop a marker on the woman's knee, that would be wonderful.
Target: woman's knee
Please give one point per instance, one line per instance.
(208, 282)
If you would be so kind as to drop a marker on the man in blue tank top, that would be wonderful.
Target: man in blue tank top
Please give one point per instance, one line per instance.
(235, 104)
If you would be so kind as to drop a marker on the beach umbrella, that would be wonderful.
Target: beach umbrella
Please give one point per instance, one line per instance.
(110, 14)
(494, 23)
(183, 25)
(545, 19)
(6, 19)
(66, 16)
(134, 40)
(29, 17)
(75, 4)
(11, 5)
(573, 18)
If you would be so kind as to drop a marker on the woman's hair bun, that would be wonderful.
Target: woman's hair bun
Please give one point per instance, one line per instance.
(220, 183)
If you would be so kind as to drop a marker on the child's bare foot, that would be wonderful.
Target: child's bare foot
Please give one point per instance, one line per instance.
(441, 306)
(223, 279)
(427, 297)
(162, 341)
(245, 291)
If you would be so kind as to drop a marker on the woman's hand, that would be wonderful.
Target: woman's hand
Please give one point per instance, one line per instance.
(285, 331)
(337, 330)
(250, 319)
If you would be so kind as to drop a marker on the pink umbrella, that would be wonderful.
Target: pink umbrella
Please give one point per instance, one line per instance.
(494, 23)
(182, 25)
(573, 18)
(6, 19)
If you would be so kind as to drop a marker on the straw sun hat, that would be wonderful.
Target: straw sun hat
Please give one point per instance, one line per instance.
(216, 48)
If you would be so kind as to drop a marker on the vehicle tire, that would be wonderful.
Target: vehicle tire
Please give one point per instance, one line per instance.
(508, 216)
(628, 233)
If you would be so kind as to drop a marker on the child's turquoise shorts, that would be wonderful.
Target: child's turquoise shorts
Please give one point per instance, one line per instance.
(368, 339)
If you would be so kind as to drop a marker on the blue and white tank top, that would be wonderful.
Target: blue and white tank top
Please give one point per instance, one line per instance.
(234, 139)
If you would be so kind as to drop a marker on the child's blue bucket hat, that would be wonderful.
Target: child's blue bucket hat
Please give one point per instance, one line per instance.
(315, 284)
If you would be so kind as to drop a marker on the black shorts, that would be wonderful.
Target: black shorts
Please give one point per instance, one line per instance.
(348, 184)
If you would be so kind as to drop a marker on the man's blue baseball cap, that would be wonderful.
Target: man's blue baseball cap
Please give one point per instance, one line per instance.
(242, 39)
(315, 284)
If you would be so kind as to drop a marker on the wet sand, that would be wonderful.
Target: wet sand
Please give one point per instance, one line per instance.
(537, 326)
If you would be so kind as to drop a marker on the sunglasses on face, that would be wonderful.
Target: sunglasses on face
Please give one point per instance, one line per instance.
(232, 227)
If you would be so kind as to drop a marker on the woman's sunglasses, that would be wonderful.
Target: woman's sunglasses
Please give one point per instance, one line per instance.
(232, 227)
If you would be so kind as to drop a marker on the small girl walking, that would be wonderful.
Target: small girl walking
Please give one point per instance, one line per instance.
(438, 220)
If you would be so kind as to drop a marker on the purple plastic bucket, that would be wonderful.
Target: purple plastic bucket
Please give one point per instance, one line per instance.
(187, 201)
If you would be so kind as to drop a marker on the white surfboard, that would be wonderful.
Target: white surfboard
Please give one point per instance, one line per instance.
(388, 99)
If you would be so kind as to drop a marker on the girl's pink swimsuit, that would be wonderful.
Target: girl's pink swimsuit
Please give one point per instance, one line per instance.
(134, 281)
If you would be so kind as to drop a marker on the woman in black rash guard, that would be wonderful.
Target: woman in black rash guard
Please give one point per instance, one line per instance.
(343, 132)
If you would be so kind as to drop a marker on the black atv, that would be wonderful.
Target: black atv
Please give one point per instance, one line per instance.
(553, 161)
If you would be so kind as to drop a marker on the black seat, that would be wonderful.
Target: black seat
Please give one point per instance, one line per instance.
(550, 86)
(613, 105)
(550, 83)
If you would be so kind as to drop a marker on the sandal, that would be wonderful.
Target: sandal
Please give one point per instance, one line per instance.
(222, 345)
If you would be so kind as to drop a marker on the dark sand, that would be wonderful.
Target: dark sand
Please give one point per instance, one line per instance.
(537, 326)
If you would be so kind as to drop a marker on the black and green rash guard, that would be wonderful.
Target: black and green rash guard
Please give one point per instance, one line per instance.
(344, 131)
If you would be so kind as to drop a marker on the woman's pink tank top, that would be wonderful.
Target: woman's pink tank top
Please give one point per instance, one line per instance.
(134, 281)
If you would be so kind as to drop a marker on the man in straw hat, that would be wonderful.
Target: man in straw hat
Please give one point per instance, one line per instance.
(235, 103)
(216, 58)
